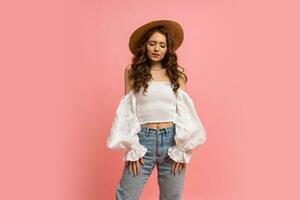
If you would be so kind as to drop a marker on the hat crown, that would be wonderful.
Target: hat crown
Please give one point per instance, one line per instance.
(174, 28)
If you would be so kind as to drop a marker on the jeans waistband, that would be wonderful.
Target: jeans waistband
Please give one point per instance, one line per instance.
(161, 130)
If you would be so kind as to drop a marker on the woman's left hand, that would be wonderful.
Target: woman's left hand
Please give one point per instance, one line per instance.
(177, 166)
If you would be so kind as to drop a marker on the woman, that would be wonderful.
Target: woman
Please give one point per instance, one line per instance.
(156, 121)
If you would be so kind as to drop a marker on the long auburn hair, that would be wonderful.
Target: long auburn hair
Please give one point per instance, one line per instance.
(141, 64)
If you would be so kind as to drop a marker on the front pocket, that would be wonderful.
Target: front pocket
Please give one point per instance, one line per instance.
(141, 134)
(171, 137)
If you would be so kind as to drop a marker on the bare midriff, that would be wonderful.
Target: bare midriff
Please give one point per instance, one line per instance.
(157, 125)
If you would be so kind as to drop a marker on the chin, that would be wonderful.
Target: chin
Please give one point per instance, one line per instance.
(155, 60)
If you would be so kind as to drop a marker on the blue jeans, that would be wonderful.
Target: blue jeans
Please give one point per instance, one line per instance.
(157, 144)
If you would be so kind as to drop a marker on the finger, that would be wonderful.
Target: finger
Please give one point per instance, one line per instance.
(183, 166)
(130, 167)
(138, 167)
(173, 167)
(134, 168)
(179, 168)
(142, 161)
(176, 167)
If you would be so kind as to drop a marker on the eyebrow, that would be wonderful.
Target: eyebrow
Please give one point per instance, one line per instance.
(155, 41)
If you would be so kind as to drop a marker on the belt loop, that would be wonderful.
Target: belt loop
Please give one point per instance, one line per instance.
(147, 132)
(166, 132)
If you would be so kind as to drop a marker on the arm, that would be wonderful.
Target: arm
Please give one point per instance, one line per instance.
(125, 126)
(189, 128)
(182, 82)
(127, 82)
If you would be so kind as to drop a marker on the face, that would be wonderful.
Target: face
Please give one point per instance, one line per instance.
(156, 47)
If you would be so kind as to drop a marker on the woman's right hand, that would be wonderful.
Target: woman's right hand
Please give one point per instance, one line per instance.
(134, 166)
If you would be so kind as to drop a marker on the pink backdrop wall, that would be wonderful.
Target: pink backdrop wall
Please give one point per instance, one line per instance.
(61, 74)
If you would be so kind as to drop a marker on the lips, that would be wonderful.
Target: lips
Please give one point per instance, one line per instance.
(155, 54)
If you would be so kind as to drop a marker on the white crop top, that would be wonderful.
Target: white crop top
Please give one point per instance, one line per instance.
(159, 104)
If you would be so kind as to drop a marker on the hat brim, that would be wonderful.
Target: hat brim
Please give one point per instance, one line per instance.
(173, 27)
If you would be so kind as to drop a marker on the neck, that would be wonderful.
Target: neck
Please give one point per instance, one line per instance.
(156, 66)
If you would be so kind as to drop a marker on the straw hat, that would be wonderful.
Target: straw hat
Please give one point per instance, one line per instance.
(173, 27)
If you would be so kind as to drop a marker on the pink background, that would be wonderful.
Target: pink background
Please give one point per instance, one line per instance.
(62, 66)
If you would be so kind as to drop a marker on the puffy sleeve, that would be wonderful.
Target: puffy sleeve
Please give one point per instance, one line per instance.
(189, 129)
(125, 126)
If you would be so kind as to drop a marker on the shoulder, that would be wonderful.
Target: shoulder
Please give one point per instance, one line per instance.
(128, 68)
(128, 82)
(182, 79)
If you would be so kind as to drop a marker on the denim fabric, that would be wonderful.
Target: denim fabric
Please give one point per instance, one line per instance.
(157, 143)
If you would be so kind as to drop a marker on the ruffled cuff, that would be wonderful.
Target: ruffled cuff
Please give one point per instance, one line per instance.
(135, 152)
(178, 155)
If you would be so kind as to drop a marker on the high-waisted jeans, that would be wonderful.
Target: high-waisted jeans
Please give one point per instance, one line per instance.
(157, 143)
